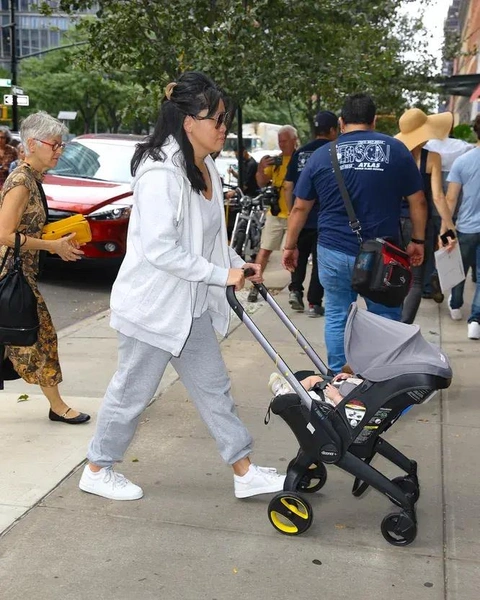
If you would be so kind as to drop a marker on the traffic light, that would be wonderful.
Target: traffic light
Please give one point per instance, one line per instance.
(4, 114)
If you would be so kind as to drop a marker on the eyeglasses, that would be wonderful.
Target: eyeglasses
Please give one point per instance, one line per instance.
(56, 146)
(220, 119)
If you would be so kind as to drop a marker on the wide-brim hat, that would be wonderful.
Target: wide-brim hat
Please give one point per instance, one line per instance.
(417, 128)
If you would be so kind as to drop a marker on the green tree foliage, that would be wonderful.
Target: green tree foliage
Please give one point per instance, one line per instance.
(287, 51)
(102, 100)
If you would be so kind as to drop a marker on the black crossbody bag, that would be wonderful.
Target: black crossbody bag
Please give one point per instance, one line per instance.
(19, 321)
(382, 270)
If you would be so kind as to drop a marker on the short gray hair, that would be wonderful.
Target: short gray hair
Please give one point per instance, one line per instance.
(288, 129)
(40, 126)
(6, 131)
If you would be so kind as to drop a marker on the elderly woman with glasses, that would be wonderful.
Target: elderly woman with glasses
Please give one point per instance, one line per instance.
(7, 154)
(23, 209)
(169, 297)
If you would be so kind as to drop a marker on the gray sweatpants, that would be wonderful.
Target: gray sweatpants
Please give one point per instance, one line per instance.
(140, 369)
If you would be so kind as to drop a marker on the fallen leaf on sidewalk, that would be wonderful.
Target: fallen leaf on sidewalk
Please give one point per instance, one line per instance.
(23, 398)
(134, 459)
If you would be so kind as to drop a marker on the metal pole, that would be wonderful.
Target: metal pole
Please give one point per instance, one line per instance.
(240, 147)
(13, 51)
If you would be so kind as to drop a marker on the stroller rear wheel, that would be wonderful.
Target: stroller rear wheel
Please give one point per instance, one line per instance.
(314, 479)
(399, 529)
(408, 486)
(290, 514)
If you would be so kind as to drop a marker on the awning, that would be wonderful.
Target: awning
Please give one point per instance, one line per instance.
(459, 85)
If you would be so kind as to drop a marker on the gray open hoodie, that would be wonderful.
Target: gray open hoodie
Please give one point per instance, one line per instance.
(154, 294)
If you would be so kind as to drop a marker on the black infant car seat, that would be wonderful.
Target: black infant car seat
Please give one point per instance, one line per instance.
(399, 368)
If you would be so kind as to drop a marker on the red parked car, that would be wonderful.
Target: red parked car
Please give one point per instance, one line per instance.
(93, 178)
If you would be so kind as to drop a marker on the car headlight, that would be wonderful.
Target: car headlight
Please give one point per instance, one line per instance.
(111, 212)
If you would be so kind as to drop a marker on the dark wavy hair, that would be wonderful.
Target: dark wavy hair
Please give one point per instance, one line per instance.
(193, 92)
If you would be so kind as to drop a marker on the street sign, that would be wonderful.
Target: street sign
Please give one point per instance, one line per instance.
(17, 90)
(21, 100)
(5, 82)
(67, 115)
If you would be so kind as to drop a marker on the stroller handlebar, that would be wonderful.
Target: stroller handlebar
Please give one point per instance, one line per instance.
(269, 349)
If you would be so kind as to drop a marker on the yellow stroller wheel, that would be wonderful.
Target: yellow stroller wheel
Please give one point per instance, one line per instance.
(289, 513)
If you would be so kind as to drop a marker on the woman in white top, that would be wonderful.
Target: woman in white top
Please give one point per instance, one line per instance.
(169, 296)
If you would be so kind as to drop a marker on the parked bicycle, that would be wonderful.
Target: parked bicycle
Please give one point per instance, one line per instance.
(249, 222)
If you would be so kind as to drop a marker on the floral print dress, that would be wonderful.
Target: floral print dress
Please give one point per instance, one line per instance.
(37, 364)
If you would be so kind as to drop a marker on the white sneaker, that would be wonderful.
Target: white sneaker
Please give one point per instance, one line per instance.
(455, 313)
(474, 330)
(278, 385)
(258, 480)
(109, 484)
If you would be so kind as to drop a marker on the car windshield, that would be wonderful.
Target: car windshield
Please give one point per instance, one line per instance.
(90, 160)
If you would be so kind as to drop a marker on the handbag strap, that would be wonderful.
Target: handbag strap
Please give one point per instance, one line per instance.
(5, 259)
(43, 198)
(16, 251)
(352, 217)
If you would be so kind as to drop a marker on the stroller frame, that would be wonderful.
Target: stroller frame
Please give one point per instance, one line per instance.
(326, 436)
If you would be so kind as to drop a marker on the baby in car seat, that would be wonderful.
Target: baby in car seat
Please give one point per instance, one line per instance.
(334, 392)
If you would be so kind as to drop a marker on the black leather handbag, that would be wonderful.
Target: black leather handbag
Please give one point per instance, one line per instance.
(382, 271)
(19, 321)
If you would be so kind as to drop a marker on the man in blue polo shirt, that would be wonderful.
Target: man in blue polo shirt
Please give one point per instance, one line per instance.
(379, 172)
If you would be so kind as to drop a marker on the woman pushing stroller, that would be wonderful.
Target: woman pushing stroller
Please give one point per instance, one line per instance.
(169, 296)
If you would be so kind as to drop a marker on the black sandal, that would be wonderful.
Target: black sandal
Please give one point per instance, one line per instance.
(81, 418)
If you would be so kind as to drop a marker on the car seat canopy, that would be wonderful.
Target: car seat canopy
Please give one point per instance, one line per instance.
(379, 349)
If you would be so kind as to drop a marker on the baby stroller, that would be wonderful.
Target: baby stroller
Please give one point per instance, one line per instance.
(400, 369)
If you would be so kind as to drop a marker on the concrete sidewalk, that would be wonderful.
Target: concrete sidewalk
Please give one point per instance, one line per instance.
(189, 538)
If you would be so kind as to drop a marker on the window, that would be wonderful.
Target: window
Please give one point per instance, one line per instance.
(110, 162)
(34, 40)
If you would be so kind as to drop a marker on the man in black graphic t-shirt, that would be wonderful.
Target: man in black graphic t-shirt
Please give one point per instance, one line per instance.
(326, 130)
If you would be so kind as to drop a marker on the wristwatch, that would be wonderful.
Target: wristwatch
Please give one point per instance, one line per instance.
(417, 241)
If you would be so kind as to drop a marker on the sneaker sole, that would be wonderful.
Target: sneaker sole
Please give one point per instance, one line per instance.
(273, 489)
(456, 318)
(88, 490)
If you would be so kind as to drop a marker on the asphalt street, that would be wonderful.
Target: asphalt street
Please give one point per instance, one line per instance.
(74, 292)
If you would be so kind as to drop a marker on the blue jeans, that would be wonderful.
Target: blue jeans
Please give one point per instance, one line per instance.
(470, 251)
(335, 272)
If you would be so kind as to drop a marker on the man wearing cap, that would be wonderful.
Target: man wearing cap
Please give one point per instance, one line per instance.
(378, 172)
(326, 130)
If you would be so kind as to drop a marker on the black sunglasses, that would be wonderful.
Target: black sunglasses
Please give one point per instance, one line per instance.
(220, 119)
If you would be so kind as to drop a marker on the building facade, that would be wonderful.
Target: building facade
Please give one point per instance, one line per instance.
(464, 19)
(34, 32)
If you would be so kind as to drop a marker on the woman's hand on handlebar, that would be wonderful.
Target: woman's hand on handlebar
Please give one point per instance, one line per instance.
(257, 276)
(236, 277)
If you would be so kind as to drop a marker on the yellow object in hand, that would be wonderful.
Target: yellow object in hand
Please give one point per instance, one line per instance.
(77, 224)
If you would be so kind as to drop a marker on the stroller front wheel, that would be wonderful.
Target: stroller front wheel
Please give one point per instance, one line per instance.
(399, 529)
(290, 514)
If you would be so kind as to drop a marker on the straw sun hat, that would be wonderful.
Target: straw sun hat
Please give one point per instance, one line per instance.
(417, 128)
